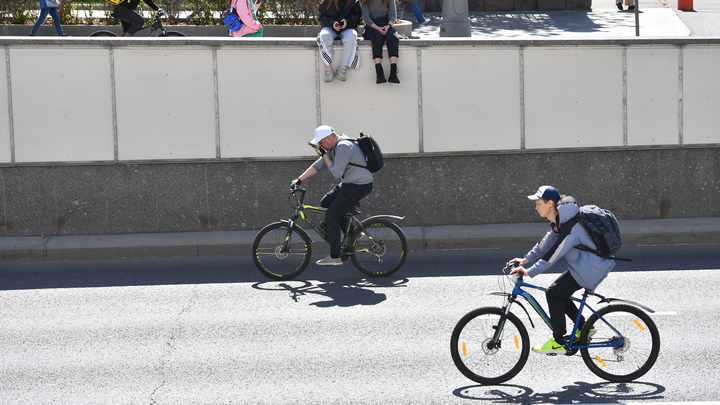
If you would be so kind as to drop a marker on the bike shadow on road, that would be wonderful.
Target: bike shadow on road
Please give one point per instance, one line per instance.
(348, 293)
(579, 392)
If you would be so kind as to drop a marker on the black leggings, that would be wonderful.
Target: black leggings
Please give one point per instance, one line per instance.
(559, 304)
(377, 40)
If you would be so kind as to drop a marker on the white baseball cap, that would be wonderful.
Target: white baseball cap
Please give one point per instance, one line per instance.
(547, 193)
(321, 132)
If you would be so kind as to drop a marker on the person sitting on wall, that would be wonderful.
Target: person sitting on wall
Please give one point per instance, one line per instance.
(339, 18)
(379, 16)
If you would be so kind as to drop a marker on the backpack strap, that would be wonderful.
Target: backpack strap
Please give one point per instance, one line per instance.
(355, 141)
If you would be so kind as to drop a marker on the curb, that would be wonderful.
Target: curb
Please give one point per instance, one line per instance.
(692, 231)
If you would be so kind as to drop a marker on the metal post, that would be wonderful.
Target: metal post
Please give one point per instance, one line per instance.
(455, 19)
(637, 18)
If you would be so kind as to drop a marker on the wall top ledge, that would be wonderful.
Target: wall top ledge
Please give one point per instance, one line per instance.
(23, 41)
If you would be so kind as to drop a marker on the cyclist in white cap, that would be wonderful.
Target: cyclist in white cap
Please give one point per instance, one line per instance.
(345, 161)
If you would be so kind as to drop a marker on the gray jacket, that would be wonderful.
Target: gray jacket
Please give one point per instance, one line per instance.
(375, 10)
(345, 152)
(587, 268)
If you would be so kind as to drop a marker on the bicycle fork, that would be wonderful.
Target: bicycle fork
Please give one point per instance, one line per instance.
(285, 250)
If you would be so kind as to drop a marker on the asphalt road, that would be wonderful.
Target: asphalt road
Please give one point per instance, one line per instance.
(211, 330)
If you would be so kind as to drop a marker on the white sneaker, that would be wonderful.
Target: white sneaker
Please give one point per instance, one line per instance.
(329, 261)
(329, 74)
(342, 73)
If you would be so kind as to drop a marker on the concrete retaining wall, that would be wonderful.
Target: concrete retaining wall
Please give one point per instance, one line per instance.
(109, 136)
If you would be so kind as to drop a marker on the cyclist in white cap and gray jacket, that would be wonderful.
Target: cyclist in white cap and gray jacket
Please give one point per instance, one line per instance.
(345, 161)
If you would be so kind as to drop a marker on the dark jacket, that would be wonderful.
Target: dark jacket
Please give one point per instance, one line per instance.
(349, 10)
(132, 4)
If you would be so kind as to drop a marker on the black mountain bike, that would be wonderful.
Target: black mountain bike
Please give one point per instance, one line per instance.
(155, 25)
(282, 250)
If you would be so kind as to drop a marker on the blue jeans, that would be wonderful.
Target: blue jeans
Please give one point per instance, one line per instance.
(339, 201)
(416, 10)
(53, 11)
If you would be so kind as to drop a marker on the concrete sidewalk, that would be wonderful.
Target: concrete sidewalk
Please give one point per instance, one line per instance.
(656, 18)
(635, 233)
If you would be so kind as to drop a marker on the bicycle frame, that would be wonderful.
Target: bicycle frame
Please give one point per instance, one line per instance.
(154, 25)
(301, 210)
(571, 344)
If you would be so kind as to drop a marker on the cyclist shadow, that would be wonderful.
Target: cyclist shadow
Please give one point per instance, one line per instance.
(334, 293)
(579, 392)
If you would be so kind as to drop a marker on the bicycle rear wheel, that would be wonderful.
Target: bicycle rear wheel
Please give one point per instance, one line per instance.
(269, 256)
(472, 350)
(633, 358)
(103, 33)
(172, 34)
(380, 250)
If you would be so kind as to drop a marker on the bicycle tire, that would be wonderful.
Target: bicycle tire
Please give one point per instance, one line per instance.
(631, 360)
(172, 34)
(274, 264)
(470, 351)
(380, 250)
(103, 33)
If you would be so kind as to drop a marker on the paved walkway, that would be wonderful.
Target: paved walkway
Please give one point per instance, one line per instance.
(657, 18)
(695, 231)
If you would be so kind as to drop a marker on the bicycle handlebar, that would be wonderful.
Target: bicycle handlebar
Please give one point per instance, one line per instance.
(295, 189)
(511, 265)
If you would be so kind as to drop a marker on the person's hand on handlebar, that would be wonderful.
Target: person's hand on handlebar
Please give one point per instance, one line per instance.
(519, 270)
(295, 183)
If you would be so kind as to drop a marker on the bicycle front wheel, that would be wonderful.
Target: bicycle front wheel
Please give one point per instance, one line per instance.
(172, 34)
(474, 353)
(280, 260)
(634, 356)
(379, 250)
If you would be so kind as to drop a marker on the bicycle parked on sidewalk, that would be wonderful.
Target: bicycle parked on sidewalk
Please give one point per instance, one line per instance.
(282, 250)
(618, 343)
(155, 25)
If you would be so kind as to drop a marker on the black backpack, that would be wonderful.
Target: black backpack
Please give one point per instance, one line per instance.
(373, 156)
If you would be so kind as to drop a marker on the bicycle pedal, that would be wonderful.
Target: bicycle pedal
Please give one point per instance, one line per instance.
(571, 352)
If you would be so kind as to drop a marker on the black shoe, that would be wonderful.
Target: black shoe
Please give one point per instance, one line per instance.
(393, 74)
(380, 74)
(631, 7)
(619, 5)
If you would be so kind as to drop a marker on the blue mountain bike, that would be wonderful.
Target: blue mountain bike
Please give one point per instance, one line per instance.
(618, 343)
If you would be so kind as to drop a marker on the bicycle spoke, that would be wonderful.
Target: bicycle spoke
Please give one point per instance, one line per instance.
(481, 360)
(628, 349)
(277, 259)
(380, 250)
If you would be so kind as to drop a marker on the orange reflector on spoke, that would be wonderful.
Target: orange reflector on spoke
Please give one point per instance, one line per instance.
(517, 341)
(639, 325)
(464, 349)
(599, 360)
